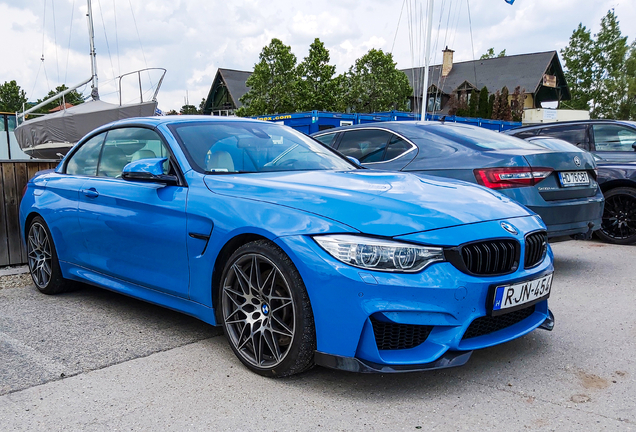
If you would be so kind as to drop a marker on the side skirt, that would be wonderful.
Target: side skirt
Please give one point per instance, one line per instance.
(179, 304)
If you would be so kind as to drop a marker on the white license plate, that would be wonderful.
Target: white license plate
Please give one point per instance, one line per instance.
(511, 296)
(574, 178)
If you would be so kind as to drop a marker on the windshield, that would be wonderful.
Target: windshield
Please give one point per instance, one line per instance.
(249, 147)
(474, 136)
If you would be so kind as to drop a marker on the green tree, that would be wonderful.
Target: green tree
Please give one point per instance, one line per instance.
(273, 85)
(12, 97)
(627, 108)
(473, 104)
(483, 103)
(495, 113)
(74, 98)
(188, 109)
(462, 109)
(317, 89)
(517, 103)
(491, 102)
(596, 69)
(490, 53)
(504, 105)
(579, 57)
(374, 84)
(201, 106)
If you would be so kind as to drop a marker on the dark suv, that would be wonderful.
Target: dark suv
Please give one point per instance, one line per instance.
(611, 140)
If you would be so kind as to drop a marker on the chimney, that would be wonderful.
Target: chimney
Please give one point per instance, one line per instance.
(447, 64)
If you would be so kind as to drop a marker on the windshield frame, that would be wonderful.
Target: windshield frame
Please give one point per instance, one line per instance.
(174, 130)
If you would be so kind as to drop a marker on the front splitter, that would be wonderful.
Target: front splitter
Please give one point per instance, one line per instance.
(352, 364)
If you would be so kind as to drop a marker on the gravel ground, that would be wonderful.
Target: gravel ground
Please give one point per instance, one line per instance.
(15, 281)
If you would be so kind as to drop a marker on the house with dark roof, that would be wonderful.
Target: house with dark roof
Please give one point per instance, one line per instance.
(539, 74)
(227, 88)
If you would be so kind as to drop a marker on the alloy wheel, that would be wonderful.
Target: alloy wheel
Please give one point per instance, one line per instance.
(39, 255)
(258, 310)
(619, 217)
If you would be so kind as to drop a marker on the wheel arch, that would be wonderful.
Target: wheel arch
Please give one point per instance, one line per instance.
(613, 184)
(224, 254)
(27, 223)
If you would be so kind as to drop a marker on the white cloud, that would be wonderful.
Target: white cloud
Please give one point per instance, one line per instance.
(192, 38)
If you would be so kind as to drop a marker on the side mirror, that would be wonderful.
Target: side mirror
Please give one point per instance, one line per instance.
(354, 160)
(148, 170)
(634, 146)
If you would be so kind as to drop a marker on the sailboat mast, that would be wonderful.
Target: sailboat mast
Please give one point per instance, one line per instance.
(427, 56)
(91, 37)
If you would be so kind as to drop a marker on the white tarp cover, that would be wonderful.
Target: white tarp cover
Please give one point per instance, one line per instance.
(38, 137)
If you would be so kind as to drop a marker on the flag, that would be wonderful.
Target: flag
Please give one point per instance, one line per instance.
(510, 1)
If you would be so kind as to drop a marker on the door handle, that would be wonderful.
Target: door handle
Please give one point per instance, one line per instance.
(91, 193)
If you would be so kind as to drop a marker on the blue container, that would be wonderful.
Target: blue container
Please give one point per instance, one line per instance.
(314, 121)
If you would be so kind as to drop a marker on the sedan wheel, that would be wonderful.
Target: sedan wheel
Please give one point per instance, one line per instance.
(42, 259)
(266, 312)
(619, 216)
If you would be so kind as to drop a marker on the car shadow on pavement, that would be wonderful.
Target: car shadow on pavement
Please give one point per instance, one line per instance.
(503, 362)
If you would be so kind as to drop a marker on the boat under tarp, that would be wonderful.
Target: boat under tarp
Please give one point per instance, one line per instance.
(53, 135)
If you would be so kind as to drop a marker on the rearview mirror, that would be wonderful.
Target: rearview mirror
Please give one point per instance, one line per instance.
(148, 170)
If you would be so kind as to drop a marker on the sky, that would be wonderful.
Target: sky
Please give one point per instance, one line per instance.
(193, 38)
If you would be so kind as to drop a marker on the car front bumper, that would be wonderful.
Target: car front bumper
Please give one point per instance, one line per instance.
(346, 301)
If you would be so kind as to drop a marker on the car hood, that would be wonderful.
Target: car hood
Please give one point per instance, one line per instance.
(373, 202)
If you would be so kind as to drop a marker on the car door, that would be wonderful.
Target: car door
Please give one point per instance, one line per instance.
(63, 190)
(135, 231)
(377, 148)
(614, 142)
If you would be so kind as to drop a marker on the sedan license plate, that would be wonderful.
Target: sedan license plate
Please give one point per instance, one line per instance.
(522, 293)
(574, 178)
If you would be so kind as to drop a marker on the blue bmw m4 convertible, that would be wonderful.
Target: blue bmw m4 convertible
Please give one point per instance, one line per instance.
(302, 256)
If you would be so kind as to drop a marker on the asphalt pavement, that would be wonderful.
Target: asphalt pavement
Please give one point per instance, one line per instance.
(95, 360)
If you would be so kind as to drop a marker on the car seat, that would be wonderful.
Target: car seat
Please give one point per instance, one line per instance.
(220, 160)
(112, 162)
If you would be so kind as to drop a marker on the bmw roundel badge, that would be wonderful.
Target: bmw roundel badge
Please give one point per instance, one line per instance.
(577, 161)
(509, 228)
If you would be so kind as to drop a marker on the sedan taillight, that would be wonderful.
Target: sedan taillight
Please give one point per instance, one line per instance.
(511, 177)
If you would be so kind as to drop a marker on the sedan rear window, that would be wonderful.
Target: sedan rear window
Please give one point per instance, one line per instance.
(473, 136)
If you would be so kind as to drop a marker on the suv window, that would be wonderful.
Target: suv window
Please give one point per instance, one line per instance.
(84, 160)
(613, 137)
(126, 145)
(574, 134)
(365, 145)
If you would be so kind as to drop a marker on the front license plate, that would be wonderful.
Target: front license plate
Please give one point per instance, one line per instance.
(522, 293)
(574, 178)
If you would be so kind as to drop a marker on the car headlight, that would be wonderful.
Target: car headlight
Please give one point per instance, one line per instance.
(381, 255)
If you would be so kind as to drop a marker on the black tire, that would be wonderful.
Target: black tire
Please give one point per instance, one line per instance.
(619, 216)
(265, 311)
(42, 259)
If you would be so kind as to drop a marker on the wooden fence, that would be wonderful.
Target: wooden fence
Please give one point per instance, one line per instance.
(13, 177)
